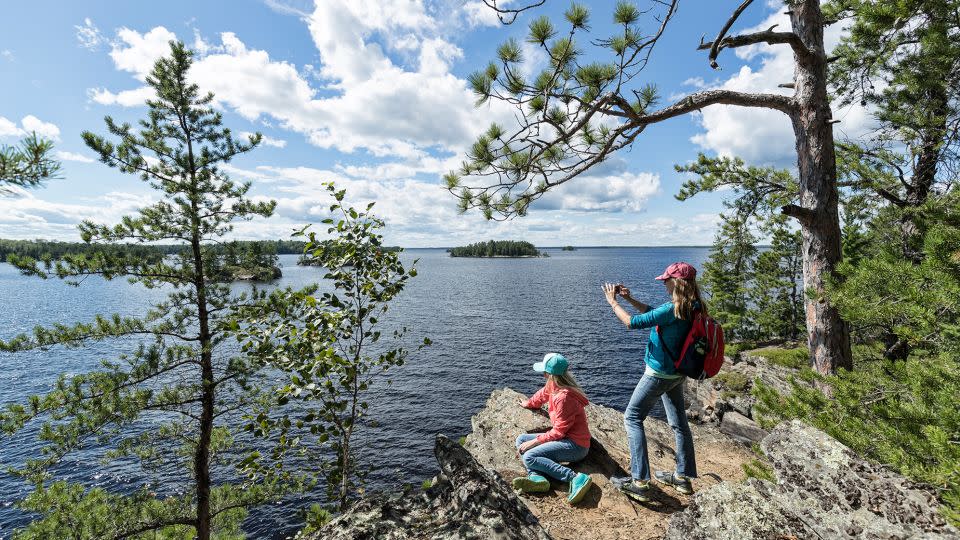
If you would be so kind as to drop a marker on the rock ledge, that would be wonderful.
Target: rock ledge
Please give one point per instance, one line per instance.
(822, 490)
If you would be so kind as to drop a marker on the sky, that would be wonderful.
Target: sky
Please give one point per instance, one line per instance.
(372, 94)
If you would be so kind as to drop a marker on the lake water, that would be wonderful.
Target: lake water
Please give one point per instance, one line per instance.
(489, 319)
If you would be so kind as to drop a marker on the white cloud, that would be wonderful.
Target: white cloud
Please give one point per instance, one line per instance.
(73, 156)
(25, 216)
(370, 102)
(422, 213)
(29, 124)
(9, 129)
(136, 52)
(477, 13)
(763, 135)
(7, 54)
(627, 192)
(265, 140)
(124, 98)
(89, 35)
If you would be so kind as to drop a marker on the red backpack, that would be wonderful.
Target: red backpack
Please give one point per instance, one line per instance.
(702, 353)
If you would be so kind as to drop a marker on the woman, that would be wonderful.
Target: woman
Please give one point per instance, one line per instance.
(660, 380)
(569, 438)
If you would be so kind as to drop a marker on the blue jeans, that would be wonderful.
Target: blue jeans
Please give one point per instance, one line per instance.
(543, 458)
(644, 397)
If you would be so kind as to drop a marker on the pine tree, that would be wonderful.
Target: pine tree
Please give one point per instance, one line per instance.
(900, 58)
(727, 275)
(580, 110)
(176, 401)
(776, 296)
(27, 164)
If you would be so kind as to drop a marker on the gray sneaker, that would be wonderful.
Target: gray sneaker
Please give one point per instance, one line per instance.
(680, 483)
(634, 489)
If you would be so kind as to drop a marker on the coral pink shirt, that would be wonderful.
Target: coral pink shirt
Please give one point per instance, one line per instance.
(567, 414)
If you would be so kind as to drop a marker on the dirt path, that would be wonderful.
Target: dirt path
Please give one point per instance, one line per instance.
(604, 513)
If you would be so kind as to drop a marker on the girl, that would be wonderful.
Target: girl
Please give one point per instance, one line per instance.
(568, 440)
(660, 380)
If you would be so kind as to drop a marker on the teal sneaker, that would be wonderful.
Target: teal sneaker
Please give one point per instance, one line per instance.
(579, 487)
(532, 483)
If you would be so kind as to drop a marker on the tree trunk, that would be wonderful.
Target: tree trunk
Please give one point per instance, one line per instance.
(201, 459)
(827, 334)
(345, 472)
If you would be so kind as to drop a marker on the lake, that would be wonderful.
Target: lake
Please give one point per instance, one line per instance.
(489, 320)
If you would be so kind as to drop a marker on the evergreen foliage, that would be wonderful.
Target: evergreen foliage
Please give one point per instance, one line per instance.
(899, 285)
(175, 401)
(727, 275)
(497, 248)
(243, 259)
(330, 344)
(55, 249)
(27, 164)
(756, 294)
(776, 295)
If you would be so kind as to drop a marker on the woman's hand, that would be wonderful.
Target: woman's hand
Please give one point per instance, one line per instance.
(610, 291)
(528, 445)
(623, 291)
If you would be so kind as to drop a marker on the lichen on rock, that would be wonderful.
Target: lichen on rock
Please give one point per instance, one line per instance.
(822, 490)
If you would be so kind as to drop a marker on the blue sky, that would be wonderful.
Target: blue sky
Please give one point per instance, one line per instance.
(370, 94)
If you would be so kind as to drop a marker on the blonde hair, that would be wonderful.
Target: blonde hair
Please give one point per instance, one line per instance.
(686, 295)
(566, 380)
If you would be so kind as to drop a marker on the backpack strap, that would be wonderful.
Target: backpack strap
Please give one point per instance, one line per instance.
(663, 343)
(666, 349)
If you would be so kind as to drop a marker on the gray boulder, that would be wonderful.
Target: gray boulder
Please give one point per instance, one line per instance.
(822, 490)
(741, 428)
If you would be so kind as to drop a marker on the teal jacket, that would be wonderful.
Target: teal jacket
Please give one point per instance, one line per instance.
(673, 330)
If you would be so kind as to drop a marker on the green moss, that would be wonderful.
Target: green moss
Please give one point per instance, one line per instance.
(758, 469)
(462, 441)
(798, 358)
(733, 381)
(427, 484)
(734, 349)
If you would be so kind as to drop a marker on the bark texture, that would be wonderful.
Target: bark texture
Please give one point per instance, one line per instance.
(828, 335)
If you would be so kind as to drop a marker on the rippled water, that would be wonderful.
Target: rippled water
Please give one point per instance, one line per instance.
(489, 319)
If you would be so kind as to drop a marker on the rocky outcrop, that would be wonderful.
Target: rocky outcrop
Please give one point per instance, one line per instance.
(467, 501)
(605, 512)
(710, 400)
(822, 490)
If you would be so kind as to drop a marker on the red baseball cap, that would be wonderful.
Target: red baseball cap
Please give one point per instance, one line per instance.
(680, 270)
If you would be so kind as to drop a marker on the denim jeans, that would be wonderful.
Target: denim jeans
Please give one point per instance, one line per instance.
(644, 397)
(543, 458)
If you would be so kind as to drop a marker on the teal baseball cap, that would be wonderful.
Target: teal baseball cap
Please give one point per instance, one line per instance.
(553, 363)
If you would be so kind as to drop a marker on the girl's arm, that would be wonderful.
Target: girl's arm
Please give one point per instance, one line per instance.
(641, 307)
(610, 293)
(567, 410)
(661, 315)
(537, 400)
